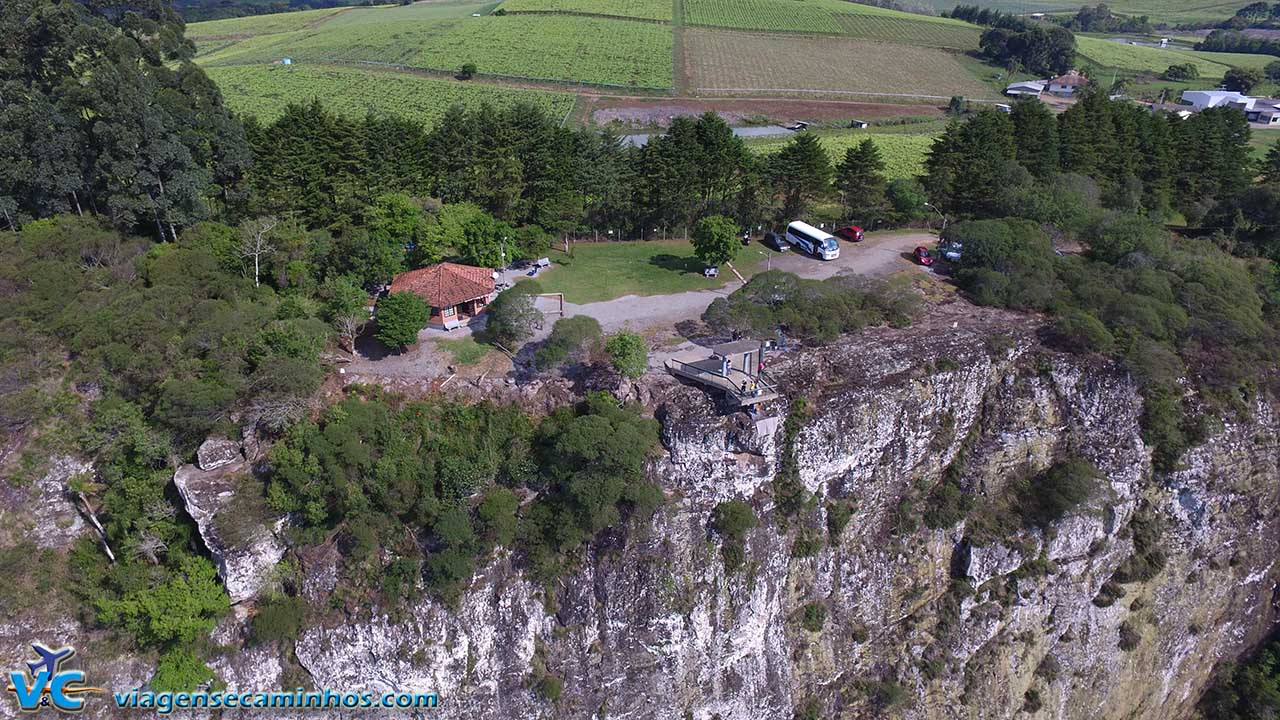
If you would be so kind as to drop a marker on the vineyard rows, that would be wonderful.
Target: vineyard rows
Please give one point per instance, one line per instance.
(546, 47)
(264, 91)
(258, 24)
(910, 32)
(1139, 58)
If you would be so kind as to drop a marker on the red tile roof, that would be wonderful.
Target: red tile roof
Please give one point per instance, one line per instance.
(1071, 78)
(446, 284)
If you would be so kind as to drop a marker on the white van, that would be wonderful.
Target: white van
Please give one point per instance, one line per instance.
(813, 241)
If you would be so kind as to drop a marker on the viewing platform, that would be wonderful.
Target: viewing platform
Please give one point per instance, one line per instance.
(732, 368)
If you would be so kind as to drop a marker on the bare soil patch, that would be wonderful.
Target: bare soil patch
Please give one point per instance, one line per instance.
(729, 63)
(658, 112)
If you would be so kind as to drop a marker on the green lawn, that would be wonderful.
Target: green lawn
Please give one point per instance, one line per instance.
(608, 270)
(265, 90)
(465, 350)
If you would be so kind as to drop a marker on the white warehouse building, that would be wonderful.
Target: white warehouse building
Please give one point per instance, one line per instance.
(1204, 99)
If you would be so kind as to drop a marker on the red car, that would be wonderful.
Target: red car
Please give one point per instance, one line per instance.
(923, 257)
(852, 233)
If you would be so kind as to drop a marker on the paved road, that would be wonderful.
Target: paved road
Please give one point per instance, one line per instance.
(878, 255)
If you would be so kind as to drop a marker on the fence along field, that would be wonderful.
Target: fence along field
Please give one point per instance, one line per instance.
(903, 154)
(727, 62)
(644, 9)
(832, 17)
(567, 48)
(265, 90)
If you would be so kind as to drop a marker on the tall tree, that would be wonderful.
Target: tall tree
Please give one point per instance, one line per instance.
(1036, 136)
(860, 178)
(800, 172)
(970, 163)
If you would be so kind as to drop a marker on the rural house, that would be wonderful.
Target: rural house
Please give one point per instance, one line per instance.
(1066, 85)
(456, 293)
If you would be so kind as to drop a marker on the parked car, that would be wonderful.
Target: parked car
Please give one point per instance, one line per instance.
(774, 241)
(923, 257)
(852, 233)
(711, 272)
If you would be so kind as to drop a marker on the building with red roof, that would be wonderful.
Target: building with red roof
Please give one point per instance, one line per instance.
(456, 293)
(1067, 85)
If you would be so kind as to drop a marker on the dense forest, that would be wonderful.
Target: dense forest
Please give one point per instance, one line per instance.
(169, 270)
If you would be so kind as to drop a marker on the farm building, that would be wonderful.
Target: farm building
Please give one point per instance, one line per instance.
(1034, 88)
(1066, 85)
(1265, 111)
(456, 293)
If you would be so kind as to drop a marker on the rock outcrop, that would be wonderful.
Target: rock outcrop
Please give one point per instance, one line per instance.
(960, 621)
(241, 535)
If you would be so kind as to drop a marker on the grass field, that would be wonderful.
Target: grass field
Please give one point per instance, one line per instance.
(735, 61)
(645, 9)
(544, 47)
(603, 271)
(447, 10)
(832, 17)
(903, 152)
(1139, 58)
(265, 90)
(243, 27)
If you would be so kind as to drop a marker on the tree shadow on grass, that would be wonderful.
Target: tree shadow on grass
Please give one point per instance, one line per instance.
(667, 261)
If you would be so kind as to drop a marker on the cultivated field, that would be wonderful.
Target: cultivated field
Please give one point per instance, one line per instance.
(544, 47)
(1140, 58)
(832, 17)
(732, 62)
(646, 9)
(450, 9)
(913, 32)
(265, 90)
(903, 153)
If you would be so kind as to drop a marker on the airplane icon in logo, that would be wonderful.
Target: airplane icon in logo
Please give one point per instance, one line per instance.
(49, 659)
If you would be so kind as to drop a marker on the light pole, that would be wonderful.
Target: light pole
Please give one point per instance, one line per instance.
(502, 250)
(944, 217)
(768, 259)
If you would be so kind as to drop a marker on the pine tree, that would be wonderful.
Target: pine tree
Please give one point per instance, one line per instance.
(801, 172)
(1036, 136)
(860, 178)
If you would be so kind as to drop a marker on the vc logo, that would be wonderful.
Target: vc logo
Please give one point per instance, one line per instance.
(47, 684)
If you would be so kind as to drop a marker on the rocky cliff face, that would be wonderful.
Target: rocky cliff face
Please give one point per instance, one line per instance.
(919, 622)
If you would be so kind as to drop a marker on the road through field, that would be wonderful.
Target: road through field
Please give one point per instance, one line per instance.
(877, 256)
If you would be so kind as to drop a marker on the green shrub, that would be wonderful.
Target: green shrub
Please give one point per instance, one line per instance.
(629, 353)
(279, 619)
(549, 687)
(839, 512)
(569, 336)
(946, 505)
(400, 316)
(512, 317)
(732, 519)
(180, 670)
(1031, 702)
(814, 617)
(1148, 558)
